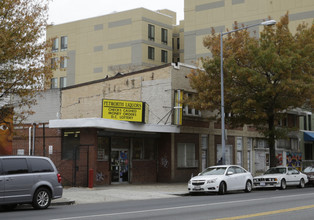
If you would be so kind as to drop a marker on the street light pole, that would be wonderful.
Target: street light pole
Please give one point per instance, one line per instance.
(223, 134)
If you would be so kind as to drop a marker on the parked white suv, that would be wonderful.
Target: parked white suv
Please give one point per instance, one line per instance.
(28, 179)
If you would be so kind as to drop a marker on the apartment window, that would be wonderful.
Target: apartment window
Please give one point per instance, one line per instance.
(64, 42)
(54, 83)
(186, 155)
(188, 110)
(164, 36)
(55, 45)
(173, 43)
(151, 32)
(63, 62)
(63, 82)
(164, 56)
(151, 53)
(54, 61)
(178, 43)
(310, 124)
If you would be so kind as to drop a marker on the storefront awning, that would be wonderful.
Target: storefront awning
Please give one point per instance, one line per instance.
(112, 124)
(308, 135)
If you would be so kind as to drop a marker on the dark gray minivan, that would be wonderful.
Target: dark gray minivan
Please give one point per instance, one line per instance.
(28, 179)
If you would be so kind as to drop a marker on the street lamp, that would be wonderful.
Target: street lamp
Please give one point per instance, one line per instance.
(223, 138)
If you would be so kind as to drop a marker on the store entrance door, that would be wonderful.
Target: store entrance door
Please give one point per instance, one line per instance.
(119, 166)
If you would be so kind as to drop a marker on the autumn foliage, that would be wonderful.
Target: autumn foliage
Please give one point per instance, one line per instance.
(263, 77)
(24, 67)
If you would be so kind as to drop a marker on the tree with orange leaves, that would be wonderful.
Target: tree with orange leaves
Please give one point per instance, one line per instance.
(263, 78)
(24, 70)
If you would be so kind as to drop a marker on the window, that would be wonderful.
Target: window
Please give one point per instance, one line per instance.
(178, 43)
(64, 42)
(14, 166)
(164, 36)
(143, 149)
(63, 82)
(188, 110)
(63, 62)
(103, 146)
(172, 43)
(310, 124)
(54, 61)
(40, 166)
(262, 143)
(164, 56)
(151, 53)
(55, 45)
(70, 141)
(151, 32)
(186, 155)
(54, 83)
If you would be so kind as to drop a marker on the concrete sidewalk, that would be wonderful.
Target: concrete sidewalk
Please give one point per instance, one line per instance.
(121, 192)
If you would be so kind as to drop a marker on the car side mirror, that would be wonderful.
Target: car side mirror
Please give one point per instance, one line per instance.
(229, 173)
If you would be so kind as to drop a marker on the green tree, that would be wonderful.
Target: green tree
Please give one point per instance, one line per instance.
(263, 78)
(24, 55)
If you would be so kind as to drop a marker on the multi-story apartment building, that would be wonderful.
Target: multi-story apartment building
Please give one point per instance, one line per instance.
(94, 56)
(95, 48)
(200, 16)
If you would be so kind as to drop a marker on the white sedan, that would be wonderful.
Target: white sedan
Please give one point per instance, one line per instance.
(281, 177)
(221, 179)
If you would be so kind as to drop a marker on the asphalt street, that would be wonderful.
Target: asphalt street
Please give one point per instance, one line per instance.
(293, 203)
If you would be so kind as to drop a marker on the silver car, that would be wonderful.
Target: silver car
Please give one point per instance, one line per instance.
(221, 179)
(28, 179)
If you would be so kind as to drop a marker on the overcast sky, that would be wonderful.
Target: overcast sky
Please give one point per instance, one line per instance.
(62, 11)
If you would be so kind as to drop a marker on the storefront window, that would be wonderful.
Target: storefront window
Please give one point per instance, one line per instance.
(143, 149)
(70, 141)
(103, 148)
(186, 155)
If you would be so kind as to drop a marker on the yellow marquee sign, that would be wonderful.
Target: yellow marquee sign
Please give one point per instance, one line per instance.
(124, 110)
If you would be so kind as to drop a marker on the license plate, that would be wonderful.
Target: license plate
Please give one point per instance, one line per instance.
(262, 184)
(197, 188)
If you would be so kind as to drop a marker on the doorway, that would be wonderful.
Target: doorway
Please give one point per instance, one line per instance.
(119, 165)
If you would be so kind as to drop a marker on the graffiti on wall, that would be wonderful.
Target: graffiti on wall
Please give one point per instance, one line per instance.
(6, 135)
(294, 159)
(164, 161)
(99, 177)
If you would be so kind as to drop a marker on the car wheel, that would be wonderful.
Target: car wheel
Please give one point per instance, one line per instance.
(42, 198)
(302, 183)
(248, 186)
(283, 184)
(222, 188)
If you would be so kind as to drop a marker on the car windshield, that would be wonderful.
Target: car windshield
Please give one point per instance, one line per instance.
(309, 170)
(213, 171)
(275, 170)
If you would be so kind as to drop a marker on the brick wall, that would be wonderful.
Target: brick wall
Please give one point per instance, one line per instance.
(144, 171)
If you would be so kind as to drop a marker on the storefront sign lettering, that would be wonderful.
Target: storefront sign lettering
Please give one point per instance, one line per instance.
(124, 110)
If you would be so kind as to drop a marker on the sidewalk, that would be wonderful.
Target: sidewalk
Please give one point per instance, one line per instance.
(112, 193)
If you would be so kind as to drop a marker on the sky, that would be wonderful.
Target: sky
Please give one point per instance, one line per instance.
(63, 11)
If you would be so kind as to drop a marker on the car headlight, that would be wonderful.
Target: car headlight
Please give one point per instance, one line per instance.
(189, 182)
(211, 181)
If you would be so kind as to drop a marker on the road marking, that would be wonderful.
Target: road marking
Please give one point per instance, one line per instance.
(181, 207)
(267, 213)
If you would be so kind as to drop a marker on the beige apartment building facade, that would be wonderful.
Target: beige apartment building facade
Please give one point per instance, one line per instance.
(200, 16)
(95, 48)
